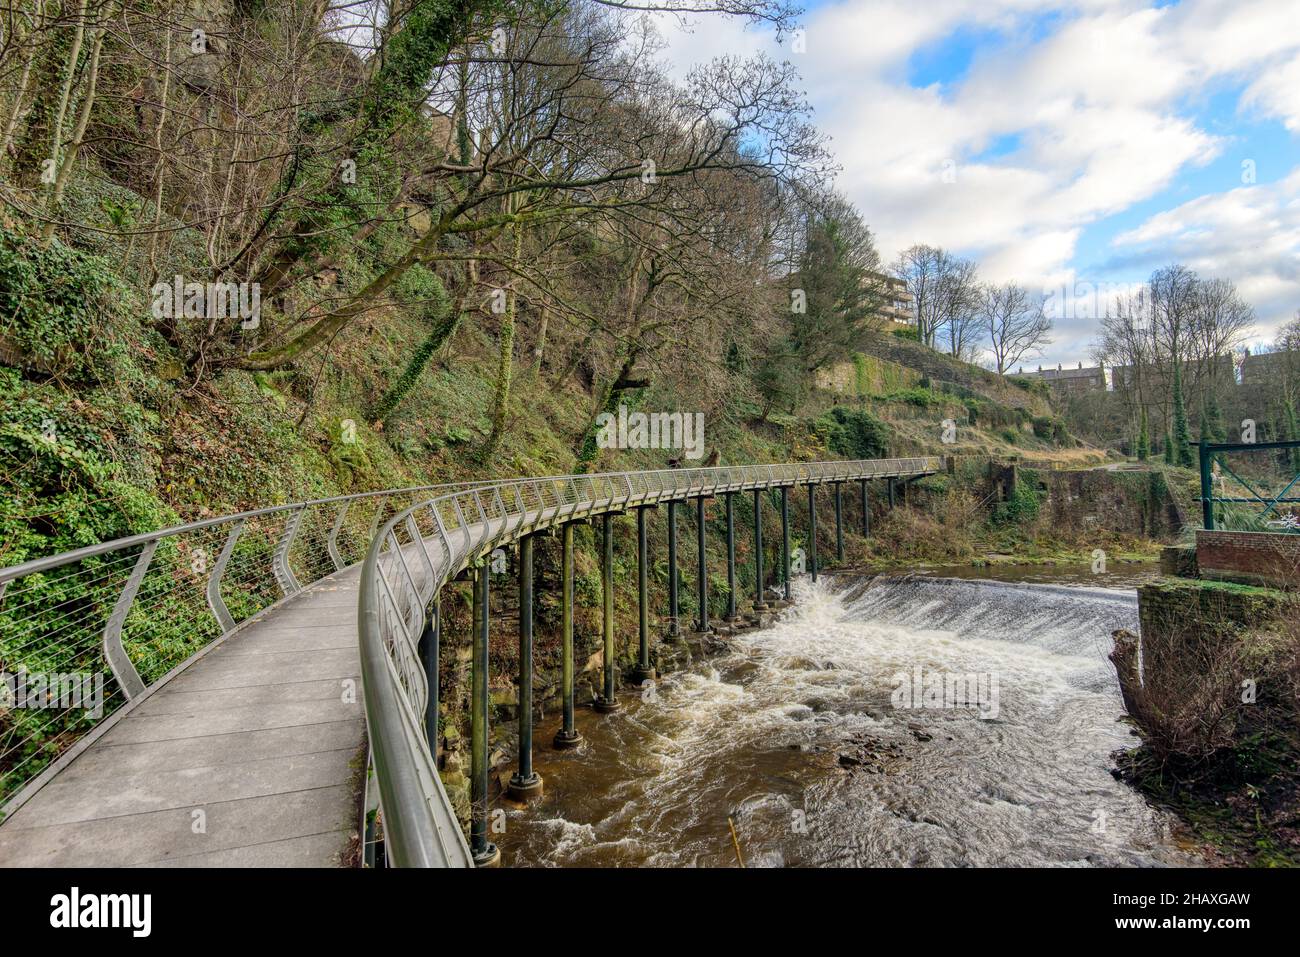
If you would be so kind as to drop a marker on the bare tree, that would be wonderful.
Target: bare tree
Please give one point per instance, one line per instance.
(943, 289)
(1016, 323)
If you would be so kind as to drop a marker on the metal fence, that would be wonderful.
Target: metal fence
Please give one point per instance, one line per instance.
(1250, 506)
(419, 549)
(138, 607)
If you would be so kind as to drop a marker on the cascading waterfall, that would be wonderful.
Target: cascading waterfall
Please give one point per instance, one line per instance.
(888, 722)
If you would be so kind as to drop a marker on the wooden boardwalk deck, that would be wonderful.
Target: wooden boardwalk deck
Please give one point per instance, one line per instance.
(250, 757)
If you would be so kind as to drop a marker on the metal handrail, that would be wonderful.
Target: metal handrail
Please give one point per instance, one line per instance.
(408, 563)
(171, 593)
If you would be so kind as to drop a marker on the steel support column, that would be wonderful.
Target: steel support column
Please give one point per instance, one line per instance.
(760, 603)
(674, 630)
(644, 671)
(567, 736)
(430, 647)
(526, 783)
(485, 853)
(701, 570)
(839, 523)
(785, 542)
(607, 702)
(889, 484)
(866, 510)
(812, 530)
(731, 615)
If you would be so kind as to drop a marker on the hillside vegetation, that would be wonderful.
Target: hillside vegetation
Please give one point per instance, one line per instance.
(410, 300)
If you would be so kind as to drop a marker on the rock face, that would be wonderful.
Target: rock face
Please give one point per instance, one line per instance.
(199, 46)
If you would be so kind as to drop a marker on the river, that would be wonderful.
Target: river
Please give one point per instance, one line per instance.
(888, 721)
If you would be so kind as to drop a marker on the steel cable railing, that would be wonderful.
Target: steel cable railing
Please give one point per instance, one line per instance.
(119, 616)
(420, 548)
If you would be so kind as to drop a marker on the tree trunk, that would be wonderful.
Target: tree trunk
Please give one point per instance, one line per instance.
(79, 133)
(444, 324)
(505, 362)
(540, 348)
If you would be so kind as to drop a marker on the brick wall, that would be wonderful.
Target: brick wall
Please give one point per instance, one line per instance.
(1254, 558)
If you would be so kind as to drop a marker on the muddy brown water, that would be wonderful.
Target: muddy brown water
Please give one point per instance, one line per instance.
(806, 738)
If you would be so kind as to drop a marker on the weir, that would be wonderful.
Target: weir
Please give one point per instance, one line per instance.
(883, 720)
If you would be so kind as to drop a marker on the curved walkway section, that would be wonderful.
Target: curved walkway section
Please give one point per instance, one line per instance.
(252, 756)
(422, 548)
(208, 705)
(234, 724)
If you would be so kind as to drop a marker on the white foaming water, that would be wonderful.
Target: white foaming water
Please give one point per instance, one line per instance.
(793, 733)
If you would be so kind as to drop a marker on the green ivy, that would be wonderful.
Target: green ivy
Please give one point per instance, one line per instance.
(59, 308)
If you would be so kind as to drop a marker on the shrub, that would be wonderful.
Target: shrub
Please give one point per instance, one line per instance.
(854, 434)
(920, 396)
(1020, 508)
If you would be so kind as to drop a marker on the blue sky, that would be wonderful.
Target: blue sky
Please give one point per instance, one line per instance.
(1072, 147)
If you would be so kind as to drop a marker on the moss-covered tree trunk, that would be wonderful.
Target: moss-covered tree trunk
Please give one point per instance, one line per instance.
(618, 387)
(444, 324)
(505, 360)
(1182, 433)
(392, 99)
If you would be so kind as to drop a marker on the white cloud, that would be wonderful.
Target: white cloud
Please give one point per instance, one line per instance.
(1250, 235)
(1276, 92)
(1100, 101)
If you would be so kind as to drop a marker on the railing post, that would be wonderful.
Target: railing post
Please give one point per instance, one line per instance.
(128, 679)
(430, 647)
(1207, 488)
(332, 542)
(866, 510)
(785, 541)
(643, 671)
(284, 575)
(485, 853)
(839, 523)
(732, 614)
(607, 702)
(674, 630)
(218, 604)
(527, 783)
(760, 604)
(812, 530)
(567, 736)
(701, 570)
(380, 501)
